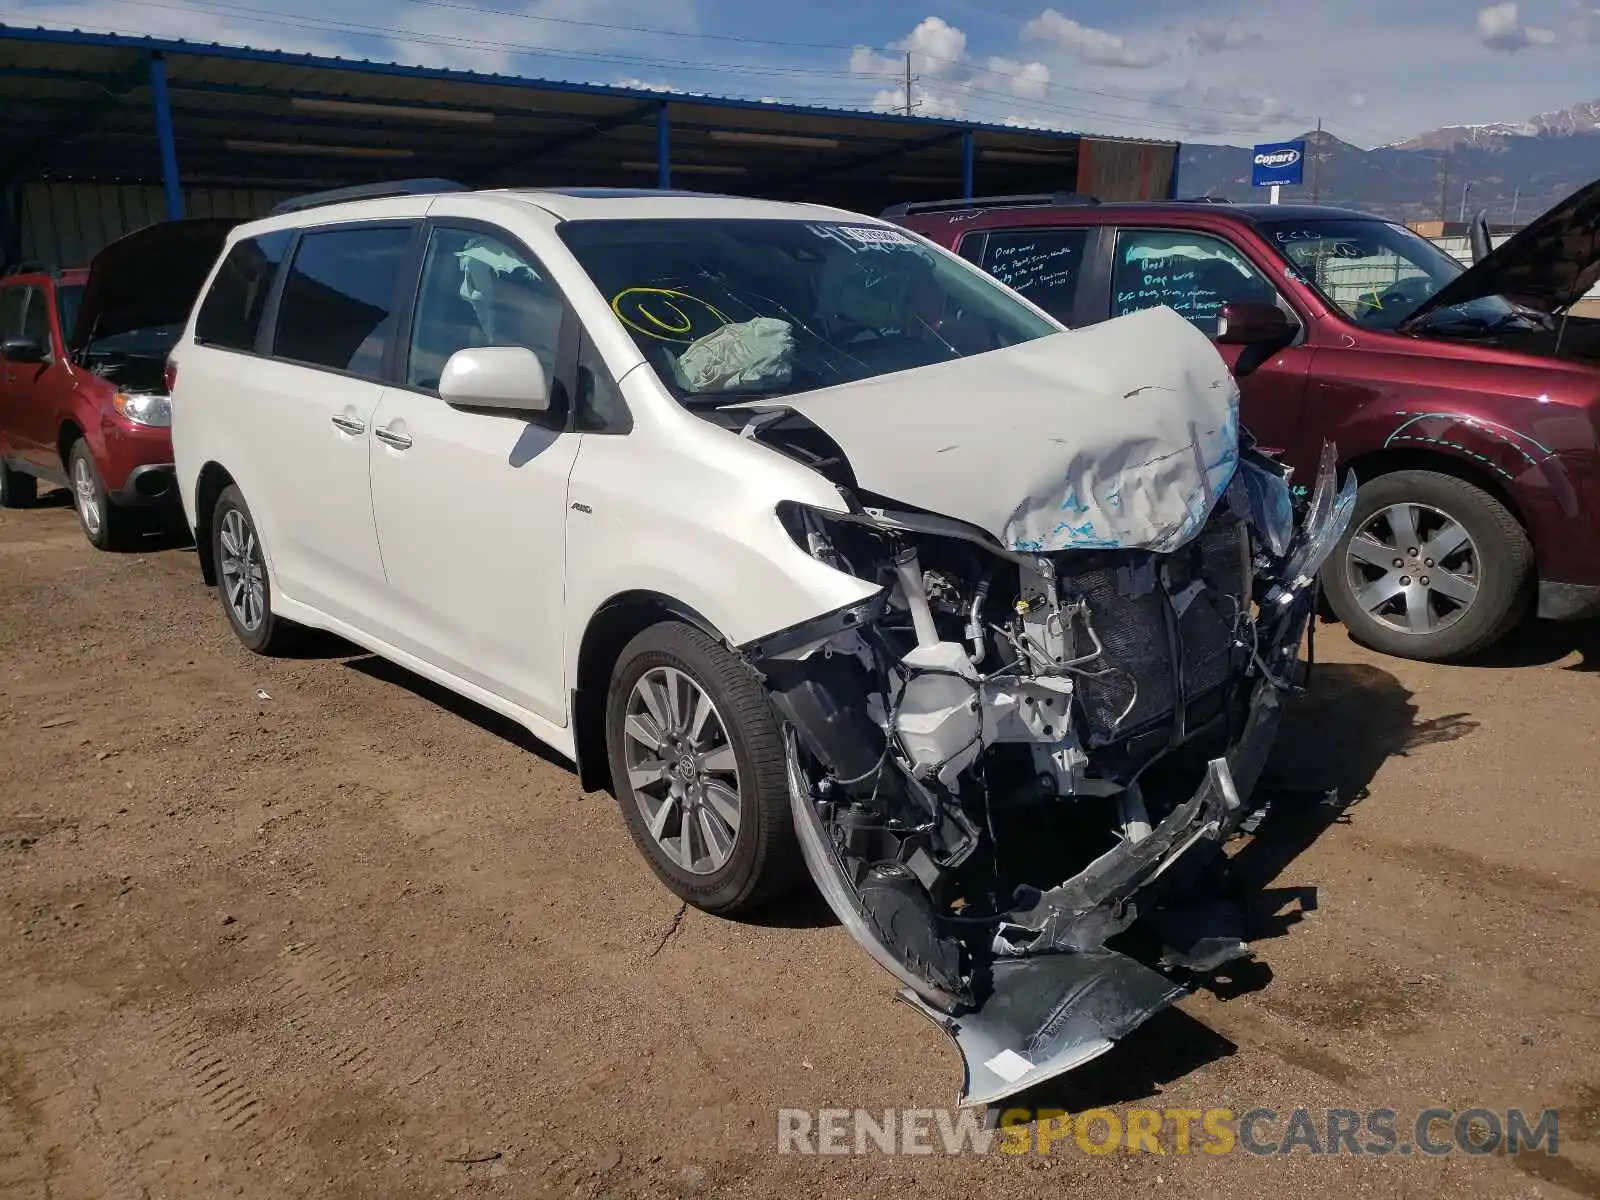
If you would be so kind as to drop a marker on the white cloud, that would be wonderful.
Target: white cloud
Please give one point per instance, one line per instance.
(1212, 38)
(1030, 79)
(655, 85)
(935, 47)
(1500, 28)
(1089, 44)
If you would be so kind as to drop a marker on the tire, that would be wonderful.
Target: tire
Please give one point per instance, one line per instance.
(17, 488)
(1477, 599)
(235, 540)
(763, 861)
(106, 524)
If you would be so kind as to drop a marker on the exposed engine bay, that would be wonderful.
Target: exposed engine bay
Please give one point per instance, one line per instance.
(1006, 758)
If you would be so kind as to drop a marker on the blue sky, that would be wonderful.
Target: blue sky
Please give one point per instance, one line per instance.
(1208, 70)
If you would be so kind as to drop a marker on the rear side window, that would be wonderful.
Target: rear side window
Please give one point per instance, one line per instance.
(230, 315)
(11, 301)
(1045, 265)
(339, 298)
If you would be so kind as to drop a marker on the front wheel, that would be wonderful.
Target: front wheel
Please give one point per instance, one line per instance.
(697, 765)
(104, 523)
(1431, 568)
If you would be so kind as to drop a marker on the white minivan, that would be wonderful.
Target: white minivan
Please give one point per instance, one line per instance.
(805, 537)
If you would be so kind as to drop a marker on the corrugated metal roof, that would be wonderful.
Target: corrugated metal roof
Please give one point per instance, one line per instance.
(78, 106)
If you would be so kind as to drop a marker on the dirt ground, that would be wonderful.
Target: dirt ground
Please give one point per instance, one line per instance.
(311, 927)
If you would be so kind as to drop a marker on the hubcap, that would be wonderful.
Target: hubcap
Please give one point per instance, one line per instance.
(87, 494)
(682, 770)
(1414, 568)
(244, 575)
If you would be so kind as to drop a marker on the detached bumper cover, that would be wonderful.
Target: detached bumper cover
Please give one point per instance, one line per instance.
(1056, 1009)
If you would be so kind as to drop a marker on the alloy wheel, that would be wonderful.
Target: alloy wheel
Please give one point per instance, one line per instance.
(682, 770)
(86, 492)
(1414, 568)
(244, 575)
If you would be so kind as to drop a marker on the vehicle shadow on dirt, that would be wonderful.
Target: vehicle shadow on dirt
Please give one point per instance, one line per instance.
(1540, 643)
(489, 721)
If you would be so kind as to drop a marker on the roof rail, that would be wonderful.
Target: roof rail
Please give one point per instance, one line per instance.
(366, 191)
(1205, 200)
(30, 268)
(1039, 200)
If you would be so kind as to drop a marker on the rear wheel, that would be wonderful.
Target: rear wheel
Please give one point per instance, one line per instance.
(242, 582)
(105, 524)
(17, 489)
(697, 765)
(1432, 567)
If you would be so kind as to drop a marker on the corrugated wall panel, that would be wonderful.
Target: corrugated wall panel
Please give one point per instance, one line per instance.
(66, 224)
(1125, 170)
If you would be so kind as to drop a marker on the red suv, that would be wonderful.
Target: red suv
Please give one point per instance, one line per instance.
(1467, 401)
(83, 395)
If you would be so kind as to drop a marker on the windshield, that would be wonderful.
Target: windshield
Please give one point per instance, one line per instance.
(154, 341)
(731, 308)
(1379, 273)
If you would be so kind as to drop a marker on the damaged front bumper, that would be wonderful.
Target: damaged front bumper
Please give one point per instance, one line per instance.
(1032, 990)
(1049, 1013)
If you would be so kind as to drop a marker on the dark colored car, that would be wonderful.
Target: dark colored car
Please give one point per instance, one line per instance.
(1466, 400)
(83, 394)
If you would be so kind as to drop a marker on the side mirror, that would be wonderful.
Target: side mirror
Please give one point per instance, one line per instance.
(1478, 236)
(506, 378)
(24, 350)
(1250, 322)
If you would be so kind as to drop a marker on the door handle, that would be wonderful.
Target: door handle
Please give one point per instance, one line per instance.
(391, 437)
(350, 425)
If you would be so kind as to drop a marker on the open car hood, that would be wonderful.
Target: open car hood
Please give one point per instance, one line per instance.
(1122, 435)
(150, 277)
(1549, 266)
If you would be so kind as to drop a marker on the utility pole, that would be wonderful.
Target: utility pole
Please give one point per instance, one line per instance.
(1444, 187)
(1316, 166)
(909, 105)
(1466, 191)
(1516, 199)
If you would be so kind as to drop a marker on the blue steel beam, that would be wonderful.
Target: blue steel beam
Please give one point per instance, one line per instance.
(164, 137)
(967, 171)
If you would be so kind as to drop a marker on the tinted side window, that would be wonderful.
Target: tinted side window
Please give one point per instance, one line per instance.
(338, 301)
(480, 291)
(1043, 264)
(230, 315)
(1194, 273)
(11, 302)
(36, 317)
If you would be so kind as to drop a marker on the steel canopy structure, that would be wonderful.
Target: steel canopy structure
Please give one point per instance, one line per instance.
(245, 125)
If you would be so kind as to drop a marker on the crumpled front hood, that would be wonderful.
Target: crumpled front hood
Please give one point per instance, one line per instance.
(1119, 436)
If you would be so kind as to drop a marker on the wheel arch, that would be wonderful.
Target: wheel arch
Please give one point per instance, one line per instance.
(213, 479)
(1388, 460)
(68, 432)
(614, 624)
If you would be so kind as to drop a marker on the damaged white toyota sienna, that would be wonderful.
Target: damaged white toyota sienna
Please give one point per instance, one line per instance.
(818, 547)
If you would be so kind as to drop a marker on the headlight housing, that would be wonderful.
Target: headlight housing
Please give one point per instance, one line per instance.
(143, 408)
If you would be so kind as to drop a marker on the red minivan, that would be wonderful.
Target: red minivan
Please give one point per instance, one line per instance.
(83, 393)
(1466, 400)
